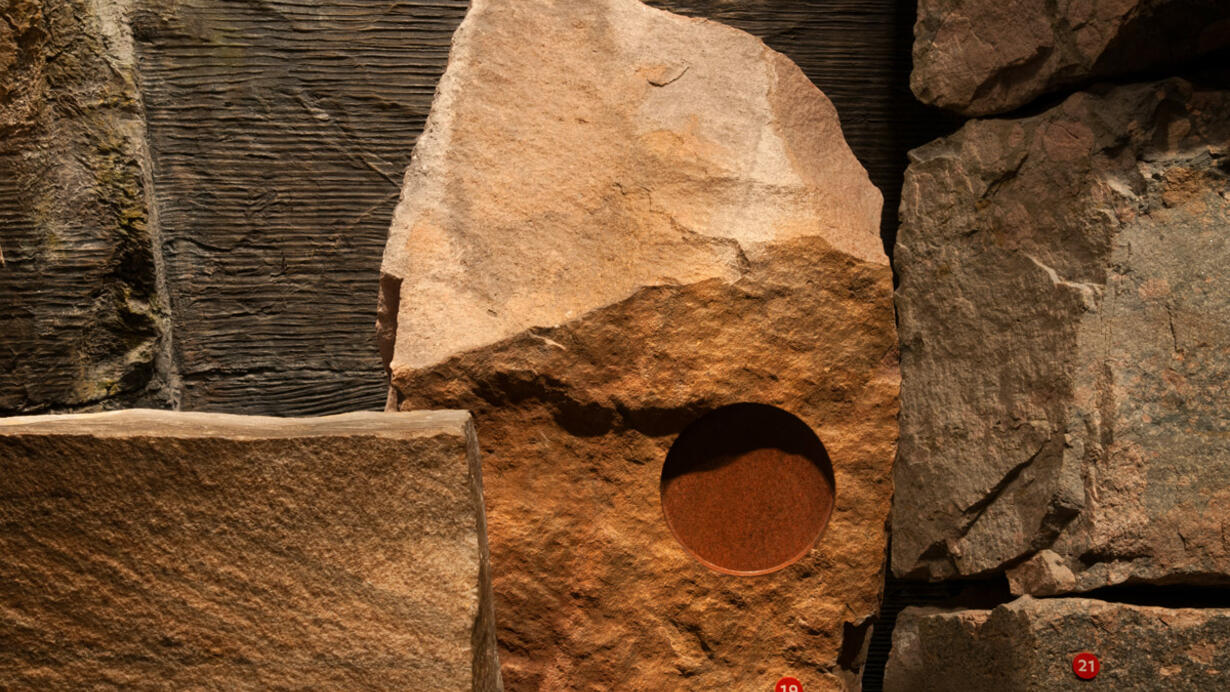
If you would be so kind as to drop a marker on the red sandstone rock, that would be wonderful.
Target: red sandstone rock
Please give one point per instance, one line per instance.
(616, 221)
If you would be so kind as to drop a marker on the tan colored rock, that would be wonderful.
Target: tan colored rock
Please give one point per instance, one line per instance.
(151, 549)
(1065, 337)
(617, 220)
(979, 57)
(1029, 644)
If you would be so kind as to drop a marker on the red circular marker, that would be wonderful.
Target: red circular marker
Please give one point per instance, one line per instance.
(1086, 666)
(788, 684)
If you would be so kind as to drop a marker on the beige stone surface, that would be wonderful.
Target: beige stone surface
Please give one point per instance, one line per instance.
(1065, 345)
(1029, 644)
(160, 550)
(979, 57)
(617, 220)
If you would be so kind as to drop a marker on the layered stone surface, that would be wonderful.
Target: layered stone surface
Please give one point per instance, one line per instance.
(280, 131)
(1065, 345)
(82, 320)
(990, 56)
(1029, 644)
(617, 220)
(212, 551)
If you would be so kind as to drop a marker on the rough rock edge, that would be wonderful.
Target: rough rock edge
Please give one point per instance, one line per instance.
(421, 180)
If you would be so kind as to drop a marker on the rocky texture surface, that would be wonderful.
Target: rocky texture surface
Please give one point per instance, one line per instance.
(989, 56)
(81, 316)
(1065, 336)
(277, 183)
(1029, 644)
(610, 227)
(281, 130)
(858, 53)
(213, 551)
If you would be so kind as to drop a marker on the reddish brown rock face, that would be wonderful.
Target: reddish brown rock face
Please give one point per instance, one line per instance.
(747, 489)
(617, 221)
(1030, 644)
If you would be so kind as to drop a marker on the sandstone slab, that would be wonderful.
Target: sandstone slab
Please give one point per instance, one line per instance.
(1029, 644)
(82, 317)
(184, 550)
(979, 57)
(616, 221)
(1065, 345)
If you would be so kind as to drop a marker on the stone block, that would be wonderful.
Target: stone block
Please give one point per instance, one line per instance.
(150, 549)
(1030, 644)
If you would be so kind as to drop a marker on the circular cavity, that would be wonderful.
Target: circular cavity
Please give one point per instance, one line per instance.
(747, 489)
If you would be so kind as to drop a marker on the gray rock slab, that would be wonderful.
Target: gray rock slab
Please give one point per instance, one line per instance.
(1065, 332)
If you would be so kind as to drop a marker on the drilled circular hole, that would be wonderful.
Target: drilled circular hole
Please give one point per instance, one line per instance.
(747, 489)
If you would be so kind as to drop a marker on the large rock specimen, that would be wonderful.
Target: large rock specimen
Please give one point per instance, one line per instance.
(617, 220)
(1029, 644)
(81, 315)
(207, 551)
(1065, 332)
(990, 56)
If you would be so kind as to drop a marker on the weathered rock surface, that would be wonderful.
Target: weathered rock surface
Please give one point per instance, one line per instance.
(616, 220)
(180, 550)
(81, 317)
(1029, 644)
(989, 56)
(281, 130)
(1065, 336)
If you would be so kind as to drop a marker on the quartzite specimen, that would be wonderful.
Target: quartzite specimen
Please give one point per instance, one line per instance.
(618, 220)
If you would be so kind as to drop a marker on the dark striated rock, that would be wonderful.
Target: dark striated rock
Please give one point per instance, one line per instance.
(281, 130)
(206, 551)
(608, 230)
(81, 316)
(1065, 336)
(979, 57)
(1029, 644)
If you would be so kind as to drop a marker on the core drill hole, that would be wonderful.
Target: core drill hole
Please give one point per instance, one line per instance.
(747, 489)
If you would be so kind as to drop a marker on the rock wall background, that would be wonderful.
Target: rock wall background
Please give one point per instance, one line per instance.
(1064, 347)
(194, 197)
(266, 146)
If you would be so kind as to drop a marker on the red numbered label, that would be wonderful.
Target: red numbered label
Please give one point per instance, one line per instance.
(1086, 666)
(788, 685)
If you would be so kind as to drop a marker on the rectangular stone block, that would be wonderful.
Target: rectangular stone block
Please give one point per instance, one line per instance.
(193, 550)
(1030, 644)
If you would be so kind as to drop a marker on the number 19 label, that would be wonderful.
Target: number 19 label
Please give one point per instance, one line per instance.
(788, 685)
